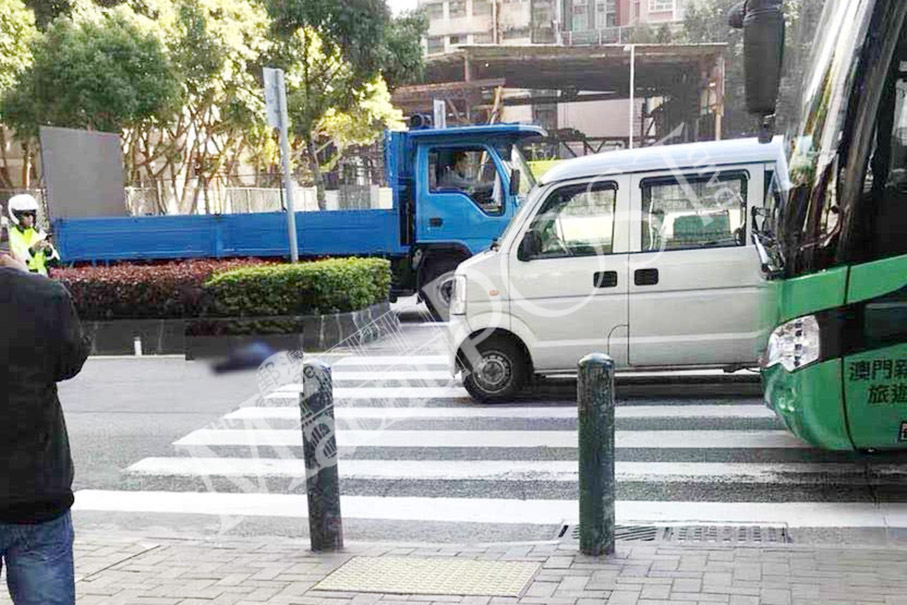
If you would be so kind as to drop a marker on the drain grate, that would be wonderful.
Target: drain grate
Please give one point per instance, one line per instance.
(693, 534)
(624, 533)
(727, 534)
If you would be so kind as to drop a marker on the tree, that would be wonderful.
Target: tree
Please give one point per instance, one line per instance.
(332, 51)
(48, 10)
(403, 62)
(17, 31)
(106, 75)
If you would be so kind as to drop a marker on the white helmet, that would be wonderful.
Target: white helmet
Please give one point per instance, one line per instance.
(21, 204)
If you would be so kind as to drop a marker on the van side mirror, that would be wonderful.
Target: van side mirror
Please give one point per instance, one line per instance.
(515, 177)
(763, 27)
(530, 246)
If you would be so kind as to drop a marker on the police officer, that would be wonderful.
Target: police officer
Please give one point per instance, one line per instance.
(27, 242)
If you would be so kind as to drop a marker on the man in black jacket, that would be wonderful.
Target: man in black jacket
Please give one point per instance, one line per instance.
(41, 343)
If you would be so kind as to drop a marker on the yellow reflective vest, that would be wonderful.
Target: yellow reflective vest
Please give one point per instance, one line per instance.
(21, 243)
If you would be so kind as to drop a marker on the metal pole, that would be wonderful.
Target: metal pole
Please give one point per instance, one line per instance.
(632, 91)
(319, 446)
(595, 399)
(285, 160)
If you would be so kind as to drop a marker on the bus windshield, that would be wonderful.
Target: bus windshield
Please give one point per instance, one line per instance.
(807, 225)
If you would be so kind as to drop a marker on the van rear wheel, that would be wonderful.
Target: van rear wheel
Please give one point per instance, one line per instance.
(497, 371)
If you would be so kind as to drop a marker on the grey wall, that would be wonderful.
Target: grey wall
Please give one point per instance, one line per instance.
(83, 173)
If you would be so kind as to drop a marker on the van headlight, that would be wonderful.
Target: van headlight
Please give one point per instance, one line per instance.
(458, 300)
(794, 345)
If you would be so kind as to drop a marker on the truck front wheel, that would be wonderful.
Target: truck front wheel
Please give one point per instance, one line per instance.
(496, 372)
(437, 286)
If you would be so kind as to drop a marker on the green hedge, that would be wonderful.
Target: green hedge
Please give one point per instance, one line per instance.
(315, 288)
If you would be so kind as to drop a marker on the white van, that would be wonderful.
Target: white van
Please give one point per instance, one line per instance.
(645, 255)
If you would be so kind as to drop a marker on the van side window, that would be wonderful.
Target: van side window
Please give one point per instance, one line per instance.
(577, 220)
(690, 212)
(470, 171)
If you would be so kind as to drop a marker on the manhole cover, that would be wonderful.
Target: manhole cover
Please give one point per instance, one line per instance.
(727, 534)
(434, 576)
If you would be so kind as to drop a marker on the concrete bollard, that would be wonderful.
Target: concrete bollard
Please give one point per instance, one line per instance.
(595, 398)
(319, 446)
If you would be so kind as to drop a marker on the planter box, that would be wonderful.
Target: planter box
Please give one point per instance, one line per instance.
(313, 332)
(158, 336)
(174, 336)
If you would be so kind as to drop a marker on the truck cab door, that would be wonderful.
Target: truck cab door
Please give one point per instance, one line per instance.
(462, 195)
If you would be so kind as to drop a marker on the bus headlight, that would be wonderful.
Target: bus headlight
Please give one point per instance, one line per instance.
(458, 300)
(794, 345)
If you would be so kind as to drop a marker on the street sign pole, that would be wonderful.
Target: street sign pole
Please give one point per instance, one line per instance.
(276, 103)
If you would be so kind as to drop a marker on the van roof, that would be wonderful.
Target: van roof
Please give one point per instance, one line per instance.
(666, 157)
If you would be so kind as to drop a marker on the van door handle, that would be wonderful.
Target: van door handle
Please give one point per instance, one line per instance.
(646, 277)
(606, 279)
(435, 221)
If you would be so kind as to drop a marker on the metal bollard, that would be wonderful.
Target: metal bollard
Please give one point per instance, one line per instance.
(320, 450)
(595, 399)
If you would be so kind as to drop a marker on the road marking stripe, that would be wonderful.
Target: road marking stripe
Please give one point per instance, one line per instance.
(511, 470)
(496, 439)
(382, 376)
(502, 412)
(481, 510)
(381, 393)
(387, 361)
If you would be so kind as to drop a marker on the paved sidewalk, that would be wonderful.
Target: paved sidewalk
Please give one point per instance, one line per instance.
(129, 570)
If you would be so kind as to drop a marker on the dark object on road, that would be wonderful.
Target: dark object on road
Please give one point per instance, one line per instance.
(319, 444)
(249, 357)
(595, 399)
(41, 343)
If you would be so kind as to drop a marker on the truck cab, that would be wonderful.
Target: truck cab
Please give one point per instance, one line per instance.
(456, 190)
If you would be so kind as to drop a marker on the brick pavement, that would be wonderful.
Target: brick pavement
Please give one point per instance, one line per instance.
(122, 569)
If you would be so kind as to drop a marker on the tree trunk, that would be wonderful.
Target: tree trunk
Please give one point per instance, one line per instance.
(6, 179)
(317, 176)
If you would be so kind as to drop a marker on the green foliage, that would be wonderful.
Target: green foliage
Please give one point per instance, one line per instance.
(106, 74)
(17, 30)
(316, 288)
(48, 10)
(404, 58)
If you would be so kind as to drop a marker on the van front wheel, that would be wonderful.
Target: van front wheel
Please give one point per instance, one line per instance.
(496, 371)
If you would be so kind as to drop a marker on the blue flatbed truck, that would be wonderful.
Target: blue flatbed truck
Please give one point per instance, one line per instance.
(432, 226)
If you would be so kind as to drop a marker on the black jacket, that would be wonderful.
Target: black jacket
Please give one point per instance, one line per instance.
(41, 343)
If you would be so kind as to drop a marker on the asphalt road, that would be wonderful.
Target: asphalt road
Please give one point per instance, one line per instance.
(165, 447)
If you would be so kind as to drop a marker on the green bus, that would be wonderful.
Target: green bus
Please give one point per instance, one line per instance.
(835, 244)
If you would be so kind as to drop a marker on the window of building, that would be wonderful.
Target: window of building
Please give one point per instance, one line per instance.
(481, 7)
(605, 14)
(577, 220)
(661, 6)
(435, 45)
(483, 38)
(457, 8)
(435, 10)
(470, 171)
(694, 212)
(517, 33)
(580, 15)
(453, 40)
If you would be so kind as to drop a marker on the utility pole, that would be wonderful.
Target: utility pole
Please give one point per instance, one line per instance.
(276, 104)
(632, 49)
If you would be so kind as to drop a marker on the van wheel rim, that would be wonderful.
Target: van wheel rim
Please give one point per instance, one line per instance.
(494, 372)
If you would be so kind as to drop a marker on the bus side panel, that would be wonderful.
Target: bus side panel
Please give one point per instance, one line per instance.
(808, 401)
(875, 386)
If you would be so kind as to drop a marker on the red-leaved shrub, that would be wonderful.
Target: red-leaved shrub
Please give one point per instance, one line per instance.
(172, 290)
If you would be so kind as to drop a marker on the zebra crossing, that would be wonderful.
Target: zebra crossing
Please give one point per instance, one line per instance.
(414, 448)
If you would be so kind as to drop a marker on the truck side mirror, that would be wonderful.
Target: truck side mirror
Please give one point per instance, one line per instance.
(530, 246)
(515, 177)
(763, 27)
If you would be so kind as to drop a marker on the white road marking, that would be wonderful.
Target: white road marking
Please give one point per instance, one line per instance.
(380, 393)
(381, 376)
(496, 439)
(390, 361)
(468, 510)
(503, 412)
(512, 470)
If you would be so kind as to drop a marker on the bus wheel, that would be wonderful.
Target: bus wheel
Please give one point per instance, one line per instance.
(497, 372)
